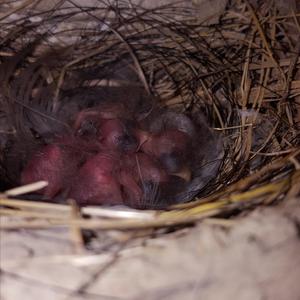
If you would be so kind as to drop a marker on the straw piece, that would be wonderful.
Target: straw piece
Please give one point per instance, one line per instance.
(25, 189)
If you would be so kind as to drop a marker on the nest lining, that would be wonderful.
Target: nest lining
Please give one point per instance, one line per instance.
(241, 73)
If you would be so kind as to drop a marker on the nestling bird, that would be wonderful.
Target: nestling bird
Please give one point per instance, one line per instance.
(97, 181)
(139, 172)
(53, 163)
(171, 147)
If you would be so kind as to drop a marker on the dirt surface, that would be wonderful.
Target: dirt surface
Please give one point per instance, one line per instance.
(253, 257)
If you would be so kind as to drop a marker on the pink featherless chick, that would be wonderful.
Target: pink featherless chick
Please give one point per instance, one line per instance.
(97, 182)
(140, 177)
(54, 163)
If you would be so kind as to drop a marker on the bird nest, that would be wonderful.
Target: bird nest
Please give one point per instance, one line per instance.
(241, 73)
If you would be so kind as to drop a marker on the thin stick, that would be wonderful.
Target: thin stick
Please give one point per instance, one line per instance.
(25, 189)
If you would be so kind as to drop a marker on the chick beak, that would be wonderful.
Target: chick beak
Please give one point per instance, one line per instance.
(185, 173)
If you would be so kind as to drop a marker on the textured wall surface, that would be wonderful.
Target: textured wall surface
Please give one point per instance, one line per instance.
(253, 258)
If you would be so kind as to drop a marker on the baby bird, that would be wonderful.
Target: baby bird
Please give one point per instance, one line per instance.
(117, 134)
(107, 127)
(51, 163)
(97, 181)
(141, 176)
(172, 148)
